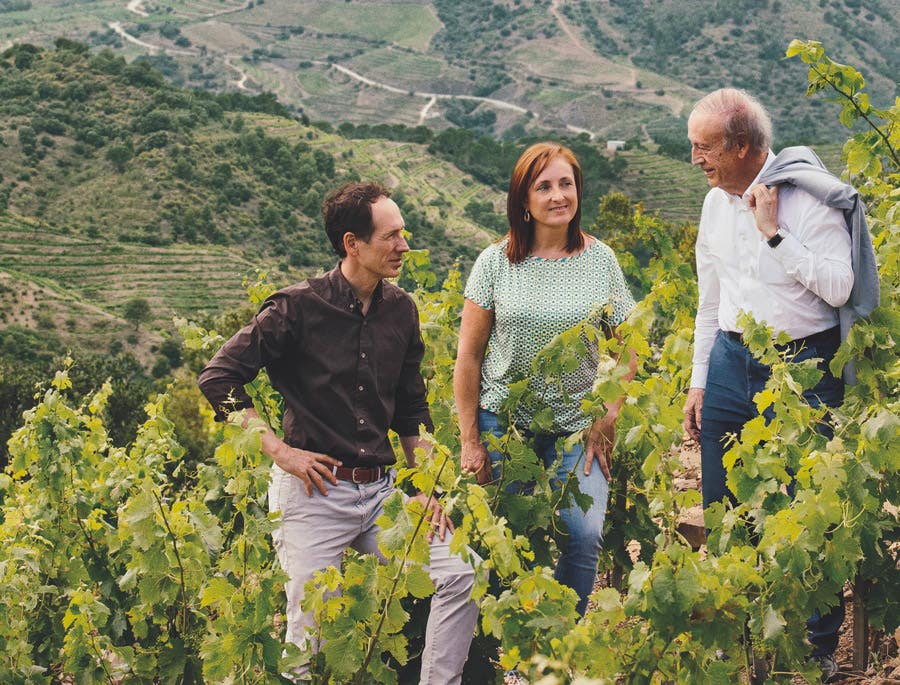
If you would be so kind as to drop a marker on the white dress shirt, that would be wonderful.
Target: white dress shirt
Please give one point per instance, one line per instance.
(794, 287)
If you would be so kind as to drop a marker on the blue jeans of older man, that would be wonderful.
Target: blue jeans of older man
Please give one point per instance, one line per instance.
(735, 377)
(580, 550)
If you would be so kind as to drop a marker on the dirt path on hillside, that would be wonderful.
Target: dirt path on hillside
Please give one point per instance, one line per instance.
(117, 27)
(625, 79)
(136, 6)
(500, 104)
(423, 113)
(231, 10)
(242, 81)
(578, 131)
(432, 98)
(568, 30)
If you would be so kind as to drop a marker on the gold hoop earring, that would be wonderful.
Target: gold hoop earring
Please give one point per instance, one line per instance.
(527, 215)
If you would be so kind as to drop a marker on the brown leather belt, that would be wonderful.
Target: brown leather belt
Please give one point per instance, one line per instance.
(359, 474)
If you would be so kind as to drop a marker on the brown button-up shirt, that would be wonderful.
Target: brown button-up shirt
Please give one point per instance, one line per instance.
(345, 378)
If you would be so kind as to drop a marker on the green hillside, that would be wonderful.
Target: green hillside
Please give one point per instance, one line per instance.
(79, 286)
(542, 67)
(102, 148)
(117, 185)
(674, 188)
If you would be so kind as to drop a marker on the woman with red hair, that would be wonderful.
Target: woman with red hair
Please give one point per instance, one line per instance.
(545, 276)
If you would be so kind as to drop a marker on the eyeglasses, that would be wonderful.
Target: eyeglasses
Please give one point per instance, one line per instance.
(701, 149)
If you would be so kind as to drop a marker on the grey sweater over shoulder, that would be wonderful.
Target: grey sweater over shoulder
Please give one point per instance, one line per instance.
(801, 167)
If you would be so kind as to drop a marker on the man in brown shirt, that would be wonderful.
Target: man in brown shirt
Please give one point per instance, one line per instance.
(344, 350)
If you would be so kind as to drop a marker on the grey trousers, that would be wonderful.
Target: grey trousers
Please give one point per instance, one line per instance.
(316, 531)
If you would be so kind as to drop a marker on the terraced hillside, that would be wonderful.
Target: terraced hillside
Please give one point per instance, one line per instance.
(117, 185)
(102, 148)
(615, 70)
(675, 189)
(79, 287)
(120, 185)
(441, 191)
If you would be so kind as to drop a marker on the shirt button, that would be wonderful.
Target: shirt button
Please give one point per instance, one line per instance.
(360, 388)
(362, 421)
(362, 450)
(363, 355)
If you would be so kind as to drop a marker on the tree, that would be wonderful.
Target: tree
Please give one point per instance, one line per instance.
(119, 156)
(137, 311)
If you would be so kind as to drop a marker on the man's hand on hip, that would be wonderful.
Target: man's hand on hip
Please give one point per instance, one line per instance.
(312, 468)
(693, 407)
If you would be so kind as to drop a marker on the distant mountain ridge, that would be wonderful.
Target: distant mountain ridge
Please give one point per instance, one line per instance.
(612, 69)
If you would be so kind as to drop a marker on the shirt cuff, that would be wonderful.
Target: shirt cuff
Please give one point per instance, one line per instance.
(227, 408)
(698, 375)
(790, 252)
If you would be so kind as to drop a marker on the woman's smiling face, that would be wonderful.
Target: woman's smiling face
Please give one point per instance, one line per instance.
(553, 196)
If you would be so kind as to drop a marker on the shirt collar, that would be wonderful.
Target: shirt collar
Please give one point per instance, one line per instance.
(344, 293)
(769, 159)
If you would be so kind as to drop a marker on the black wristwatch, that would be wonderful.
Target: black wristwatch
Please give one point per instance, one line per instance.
(776, 239)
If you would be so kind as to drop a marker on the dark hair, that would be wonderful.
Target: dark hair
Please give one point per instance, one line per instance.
(348, 209)
(530, 165)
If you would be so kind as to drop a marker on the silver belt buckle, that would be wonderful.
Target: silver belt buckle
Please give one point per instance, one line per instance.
(353, 476)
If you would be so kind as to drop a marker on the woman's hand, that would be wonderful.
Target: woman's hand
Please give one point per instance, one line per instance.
(599, 445)
(474, 331)
(475, 459)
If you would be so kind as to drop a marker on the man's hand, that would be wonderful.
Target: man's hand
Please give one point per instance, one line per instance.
(474, 458)
(693, 408)
(764, 203)
(435, 517)
(312, 468)
(599, 444)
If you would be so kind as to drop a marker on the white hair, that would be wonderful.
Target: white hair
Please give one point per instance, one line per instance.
(744, 118)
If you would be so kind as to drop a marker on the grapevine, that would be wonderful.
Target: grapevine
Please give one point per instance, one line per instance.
(138, 564)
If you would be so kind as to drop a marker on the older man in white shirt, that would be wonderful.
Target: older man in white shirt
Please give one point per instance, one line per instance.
(777, 253)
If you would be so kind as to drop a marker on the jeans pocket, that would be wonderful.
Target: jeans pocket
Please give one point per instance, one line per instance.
(489, 422)
(286, 494)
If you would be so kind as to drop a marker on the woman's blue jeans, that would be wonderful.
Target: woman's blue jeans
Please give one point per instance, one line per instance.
(580, 550)
(735, 377)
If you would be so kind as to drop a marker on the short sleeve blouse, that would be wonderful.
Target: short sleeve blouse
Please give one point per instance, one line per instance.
(533, 302)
